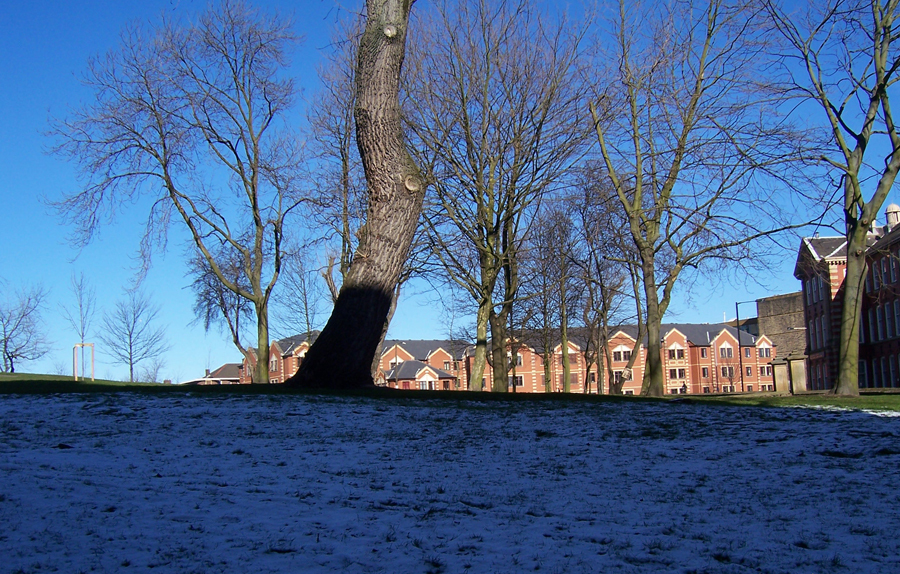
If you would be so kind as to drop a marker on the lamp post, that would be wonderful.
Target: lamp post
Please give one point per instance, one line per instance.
(737, 325)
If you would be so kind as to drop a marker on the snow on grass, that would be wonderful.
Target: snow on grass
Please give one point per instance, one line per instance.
(131, 482)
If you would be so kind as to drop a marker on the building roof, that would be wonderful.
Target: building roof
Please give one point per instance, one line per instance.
(226, 371)
(288, 344)
(411, 369)
(421, 349)
(697, 334)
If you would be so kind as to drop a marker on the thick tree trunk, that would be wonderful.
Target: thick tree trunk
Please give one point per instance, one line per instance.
(847, 382)
(480, 361)
(499, 336)
(342, 355)
(261, 373)
(653, 373)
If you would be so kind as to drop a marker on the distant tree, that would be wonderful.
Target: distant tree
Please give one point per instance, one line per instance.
(193, 117)
(130, 334)
(21, 328)
(842, 56)
(80, 315)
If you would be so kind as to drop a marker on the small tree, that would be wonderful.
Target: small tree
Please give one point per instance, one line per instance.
(21, 329)
(81, 315)
(129, 332)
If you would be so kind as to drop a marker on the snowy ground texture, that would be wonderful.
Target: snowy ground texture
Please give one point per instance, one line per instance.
(136, 483)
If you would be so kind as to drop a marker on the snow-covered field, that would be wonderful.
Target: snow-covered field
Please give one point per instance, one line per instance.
(134, 483)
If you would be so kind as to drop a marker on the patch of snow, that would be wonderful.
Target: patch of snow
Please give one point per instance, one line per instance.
(318, 484)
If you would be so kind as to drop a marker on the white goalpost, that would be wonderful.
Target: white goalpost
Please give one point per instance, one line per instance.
(75, 359)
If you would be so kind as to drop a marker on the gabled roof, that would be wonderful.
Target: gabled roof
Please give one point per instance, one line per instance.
(411, 369)
(421, 349)
(288, 344)
(226, 371)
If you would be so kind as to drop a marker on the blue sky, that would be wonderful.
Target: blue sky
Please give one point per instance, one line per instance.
(44, 48)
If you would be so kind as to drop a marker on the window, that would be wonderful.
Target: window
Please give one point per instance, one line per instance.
(626, 355)
(749, 388)
(749, 371)
(702, 352)
(727, 388)
(868, 282)
(863, 375)
(673, 391)
(879, 313)
(872, 325)
(273, 365)
(876, 283)
(765, 371)
(518, 360)
(765, 351)
(897, 317)
(747, 352)
(446, 365)
(889, 319)
(728, 372)
(704, 372)
(726, 352)
(884, 271)
(629, 392)
(617, 356)
(893, 370)
(681, 373)
(894, 268)
(446, 385)
(617, 376)
(706, 390)
(673, 373)
(520, 381)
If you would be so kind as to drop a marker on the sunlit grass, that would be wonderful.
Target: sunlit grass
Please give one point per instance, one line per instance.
(26, 383)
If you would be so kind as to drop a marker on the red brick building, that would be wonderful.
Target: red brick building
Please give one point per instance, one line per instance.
(821, 268)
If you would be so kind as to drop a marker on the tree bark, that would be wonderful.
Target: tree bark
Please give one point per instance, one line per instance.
(848, 368)
(342, 355)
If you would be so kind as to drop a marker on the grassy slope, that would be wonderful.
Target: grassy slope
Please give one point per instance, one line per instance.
(52, 384)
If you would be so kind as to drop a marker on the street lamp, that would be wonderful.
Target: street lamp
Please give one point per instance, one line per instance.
(737, 325)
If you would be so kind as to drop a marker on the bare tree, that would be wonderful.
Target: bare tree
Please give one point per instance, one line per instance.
(345, 351)
(692, 145)
(129, 333)
(192, 116)
(217, 305)
(81, 315)
(493, 104)
(842, 57)
(608, 270)
(21, 328)
(340, 199)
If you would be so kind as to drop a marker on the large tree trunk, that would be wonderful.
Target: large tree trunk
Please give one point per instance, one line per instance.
(261, 372)
(479, 363)
(499, 340)
(653, 373)
(847, 382)
(342, 355)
